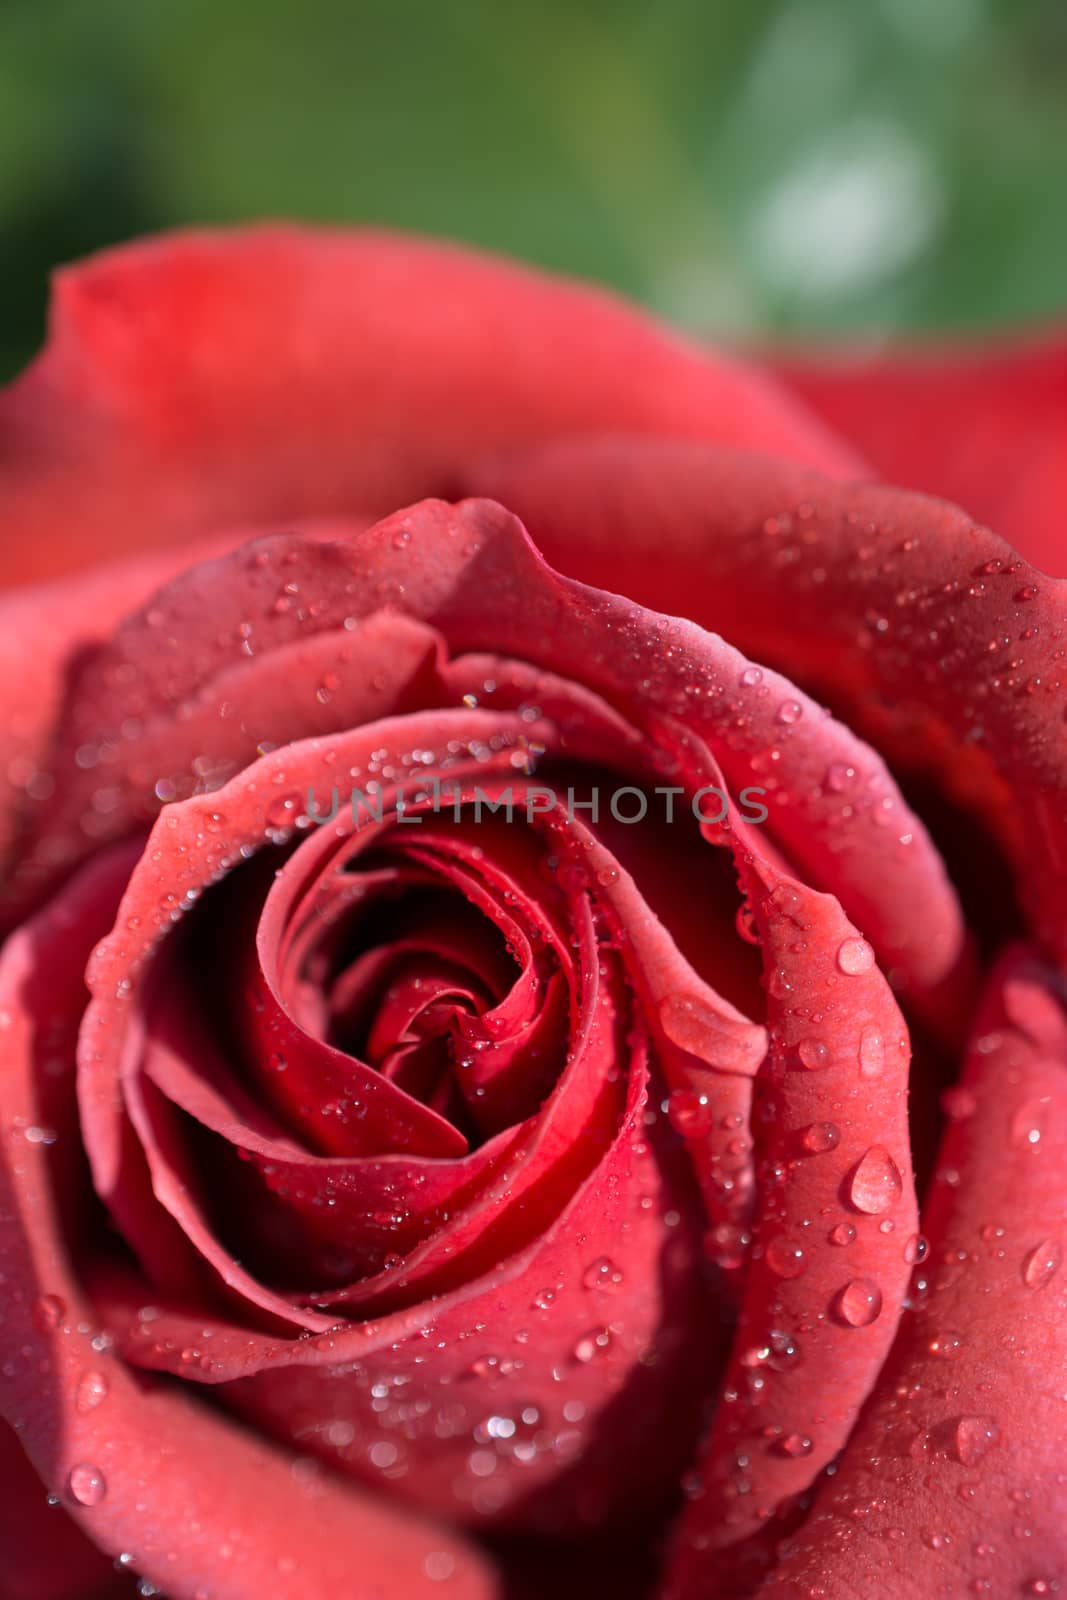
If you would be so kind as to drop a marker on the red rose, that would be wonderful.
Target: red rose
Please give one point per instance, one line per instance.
(459, 1018)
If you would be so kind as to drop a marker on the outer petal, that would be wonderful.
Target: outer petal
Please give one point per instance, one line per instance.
(48, 632)
(925, 630)
(986, 427)
(205, 379)
(829, 1264)
(202, 1507)
(471, 572)
(955, 1473)
(46, 1554)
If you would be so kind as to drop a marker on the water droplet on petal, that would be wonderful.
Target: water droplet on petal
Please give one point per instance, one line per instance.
(590, 1344)
(813, 1054)
(790, 711)
(871, 1053)
(783, 1352)
(785, 1259)
(689, 1113)
(1028, 1125)
(92, 1389)
(818, 1137)
(1041, 1264)
(87, 1484)
(915, 1250)
(284, 810)
(727, 1245)
(875, 1184)
(975, 1437)
(958, 1103)
(859, 1303)
(947, 1346)
(855, 956)
(48, 1312)
(795, 1445)
(839, 776)
(750, 677)
(842, 1234)
(602, 1274)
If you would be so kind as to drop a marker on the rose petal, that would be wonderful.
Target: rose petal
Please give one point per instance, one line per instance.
(207, 379)
(928, 632)
(184, 855)
(592, 1340)
(145, 1469)
(827, 1270)
(984, 425)
(470, 572)
(46, 1555)
(957, 1465)
(54, 627)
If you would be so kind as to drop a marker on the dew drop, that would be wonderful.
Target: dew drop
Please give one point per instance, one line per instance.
(875, 1184)
(790, 711)
(48, 1312)
(795, 1445)
(727, 1246)
(87, 1484)
(818, 1137)
(785, 1259)
(915, 1250)
(689, 1113)
(958, 1103)
(814, 1054)
(283, 811)
(946, 1346)
(1041, 1264)
(591, 1344)
(859, 1303)
(602, 1274)
(92, 1389)
(842, 1234)
(975, 1437)
(839, 776)
(750, 677)
(783, 1352)
(855, 956)
(871, 1053)
(1028, 1125)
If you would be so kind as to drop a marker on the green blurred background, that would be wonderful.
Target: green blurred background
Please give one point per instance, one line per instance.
(740, 165)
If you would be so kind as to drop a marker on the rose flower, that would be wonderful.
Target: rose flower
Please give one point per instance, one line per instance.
(532, 1008)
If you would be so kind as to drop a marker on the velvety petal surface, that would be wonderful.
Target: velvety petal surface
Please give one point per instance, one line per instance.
(203, 380)
(984, 425)
(956, 1472)
(926, 630)
(197, 1504)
